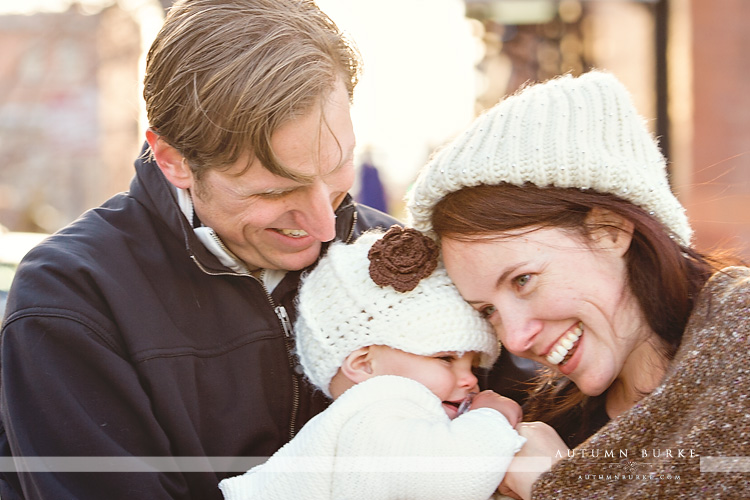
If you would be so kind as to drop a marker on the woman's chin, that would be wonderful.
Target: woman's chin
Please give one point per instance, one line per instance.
(589, 387)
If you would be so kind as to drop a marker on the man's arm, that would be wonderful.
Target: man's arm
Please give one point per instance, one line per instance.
(66, 392)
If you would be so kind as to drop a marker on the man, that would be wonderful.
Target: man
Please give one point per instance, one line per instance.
(158, 325)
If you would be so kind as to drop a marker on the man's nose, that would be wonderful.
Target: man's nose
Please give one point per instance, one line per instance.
(315, 214)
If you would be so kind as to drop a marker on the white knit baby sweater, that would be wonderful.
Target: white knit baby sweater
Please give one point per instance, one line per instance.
(386, 438)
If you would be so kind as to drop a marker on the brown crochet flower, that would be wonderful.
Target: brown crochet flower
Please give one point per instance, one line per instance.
(401, 258)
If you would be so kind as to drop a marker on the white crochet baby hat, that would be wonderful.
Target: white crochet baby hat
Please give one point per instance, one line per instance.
(567, 132)
(340, 309)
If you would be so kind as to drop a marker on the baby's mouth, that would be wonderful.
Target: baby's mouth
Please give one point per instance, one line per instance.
(451, 408)
(564, 349)
(293, 233)
(462, 406)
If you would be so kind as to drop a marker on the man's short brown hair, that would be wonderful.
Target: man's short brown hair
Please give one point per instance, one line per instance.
(223, 75)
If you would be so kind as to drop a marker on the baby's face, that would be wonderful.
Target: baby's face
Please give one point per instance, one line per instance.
(447, 374)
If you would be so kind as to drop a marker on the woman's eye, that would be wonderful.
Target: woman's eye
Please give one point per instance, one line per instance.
(487, 311)
(523, 280)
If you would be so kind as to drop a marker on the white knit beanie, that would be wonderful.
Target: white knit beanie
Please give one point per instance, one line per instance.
(567, 132)
(341, 309)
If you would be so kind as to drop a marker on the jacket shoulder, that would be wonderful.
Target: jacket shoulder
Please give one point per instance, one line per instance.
(370, 218)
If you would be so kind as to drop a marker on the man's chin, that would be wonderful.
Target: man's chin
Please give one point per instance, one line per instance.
(294, 261)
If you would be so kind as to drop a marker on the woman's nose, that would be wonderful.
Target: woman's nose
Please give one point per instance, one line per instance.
(517, 330)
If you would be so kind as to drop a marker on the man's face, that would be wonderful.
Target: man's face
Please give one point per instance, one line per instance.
(274, 222)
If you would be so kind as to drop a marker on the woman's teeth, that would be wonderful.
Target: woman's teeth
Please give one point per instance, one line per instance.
(294, 233)
(561, 350)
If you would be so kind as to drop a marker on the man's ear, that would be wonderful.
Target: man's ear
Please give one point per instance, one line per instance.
(172, 164)
(357, 366)
(610, 230)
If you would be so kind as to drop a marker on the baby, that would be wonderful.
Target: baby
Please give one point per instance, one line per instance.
(384, 333)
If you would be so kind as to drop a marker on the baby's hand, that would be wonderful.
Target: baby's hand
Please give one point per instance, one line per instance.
(506, 406)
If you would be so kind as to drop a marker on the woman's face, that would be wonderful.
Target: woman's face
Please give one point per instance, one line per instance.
(553, 298)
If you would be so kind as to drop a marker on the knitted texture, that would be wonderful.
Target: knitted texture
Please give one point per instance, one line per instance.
(340, 309)
(387, 437)
(568, 133)
(688, 438)
(401, 258)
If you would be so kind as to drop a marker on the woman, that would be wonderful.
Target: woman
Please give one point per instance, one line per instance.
(556, 221)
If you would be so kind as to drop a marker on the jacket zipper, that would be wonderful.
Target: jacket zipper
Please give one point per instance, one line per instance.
(286, 327)
(286, 324)
(237, 261)
(351, 229)
(284, 321)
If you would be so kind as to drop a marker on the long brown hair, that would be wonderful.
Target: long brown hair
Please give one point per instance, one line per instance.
(664, 276)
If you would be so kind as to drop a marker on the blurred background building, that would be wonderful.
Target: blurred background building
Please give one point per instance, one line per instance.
(71, 119)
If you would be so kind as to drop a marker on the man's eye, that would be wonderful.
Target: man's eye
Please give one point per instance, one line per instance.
(272, 195)
(487, 311)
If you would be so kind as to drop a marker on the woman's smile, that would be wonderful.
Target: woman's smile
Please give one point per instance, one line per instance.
(563, 349)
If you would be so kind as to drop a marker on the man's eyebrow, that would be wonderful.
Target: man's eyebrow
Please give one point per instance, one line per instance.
(344, 160)
(304, 180)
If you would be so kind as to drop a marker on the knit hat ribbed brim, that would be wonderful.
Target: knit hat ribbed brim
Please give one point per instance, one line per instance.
(567, 132)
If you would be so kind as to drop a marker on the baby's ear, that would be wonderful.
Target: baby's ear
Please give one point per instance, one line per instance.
(357, 366)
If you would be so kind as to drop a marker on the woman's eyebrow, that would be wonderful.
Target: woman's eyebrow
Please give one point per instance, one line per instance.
(500, 280)
(504, 276)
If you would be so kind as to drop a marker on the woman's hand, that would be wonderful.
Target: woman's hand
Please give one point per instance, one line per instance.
(506, 406)
(538, 455)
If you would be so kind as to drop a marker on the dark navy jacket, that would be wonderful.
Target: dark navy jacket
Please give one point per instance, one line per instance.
(125, 337)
